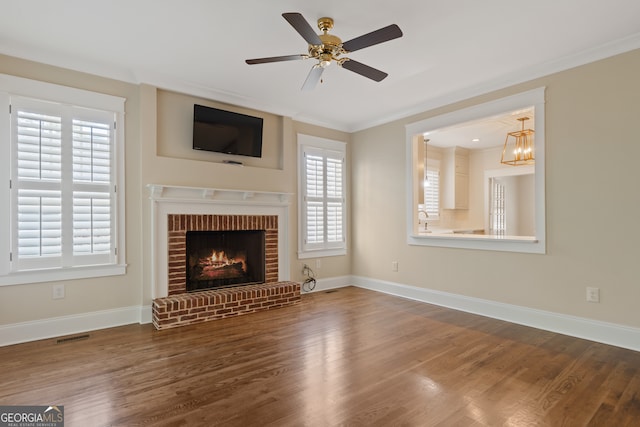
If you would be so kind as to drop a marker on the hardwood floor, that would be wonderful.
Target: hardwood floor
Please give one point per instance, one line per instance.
(351, 357)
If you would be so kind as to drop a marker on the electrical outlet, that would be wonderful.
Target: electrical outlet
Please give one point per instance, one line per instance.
(318, 263)
(58, 291)
(394, 265)
(593, 294)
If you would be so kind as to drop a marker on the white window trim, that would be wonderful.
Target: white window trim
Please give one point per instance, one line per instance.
(316, 143)
(524, 244)
(17, 86)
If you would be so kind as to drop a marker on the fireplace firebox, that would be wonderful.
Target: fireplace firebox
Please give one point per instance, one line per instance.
(218, 259)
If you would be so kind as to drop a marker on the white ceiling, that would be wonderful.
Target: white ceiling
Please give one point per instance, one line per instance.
(488, 132)
(451, 50)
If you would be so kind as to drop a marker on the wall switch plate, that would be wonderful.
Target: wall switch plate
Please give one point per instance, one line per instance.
(394, 265)
(593, 294)
(58, 291)
(318, 264)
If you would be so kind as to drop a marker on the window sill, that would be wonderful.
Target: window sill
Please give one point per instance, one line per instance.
(57, 274)
(322, 253)
(524, 244)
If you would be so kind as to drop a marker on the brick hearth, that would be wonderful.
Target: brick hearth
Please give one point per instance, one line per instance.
(187, 309)
(181, 308)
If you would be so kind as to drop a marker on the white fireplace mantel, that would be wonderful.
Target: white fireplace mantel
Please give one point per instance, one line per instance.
(176, 200)
(197, 194)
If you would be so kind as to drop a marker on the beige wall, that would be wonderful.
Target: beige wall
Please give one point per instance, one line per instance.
(592, 230)
(593, 204)
(158, 151)
(23, 303)
(169, 159)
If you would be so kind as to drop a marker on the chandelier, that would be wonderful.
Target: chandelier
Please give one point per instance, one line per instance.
(518, 147)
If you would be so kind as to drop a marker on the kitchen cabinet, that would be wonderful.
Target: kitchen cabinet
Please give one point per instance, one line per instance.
(455, 174)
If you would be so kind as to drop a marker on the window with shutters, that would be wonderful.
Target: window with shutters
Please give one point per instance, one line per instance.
(65, 167)
(322, 198)
(432, 190)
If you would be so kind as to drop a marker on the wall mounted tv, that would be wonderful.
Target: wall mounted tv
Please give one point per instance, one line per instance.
(226, 132)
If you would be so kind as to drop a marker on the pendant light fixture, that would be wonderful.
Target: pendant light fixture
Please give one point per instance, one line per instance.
(518, 147)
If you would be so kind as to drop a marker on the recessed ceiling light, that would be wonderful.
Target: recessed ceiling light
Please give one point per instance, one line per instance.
(475, 140)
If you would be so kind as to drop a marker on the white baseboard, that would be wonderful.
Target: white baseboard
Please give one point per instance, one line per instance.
(67, 325)
(146, 314)
(603, 332)
(329, 283)
(593, 330)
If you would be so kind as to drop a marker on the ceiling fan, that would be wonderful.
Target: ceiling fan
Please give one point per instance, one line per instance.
(326, 48)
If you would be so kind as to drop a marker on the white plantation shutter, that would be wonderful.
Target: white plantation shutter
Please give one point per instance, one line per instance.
(92, 187)
(432, 193)
(335, 199)
(62, 185)
(91, 152)
(313, 199)
(323, 212)
(38, 139)
(39, 223)
(91, 222)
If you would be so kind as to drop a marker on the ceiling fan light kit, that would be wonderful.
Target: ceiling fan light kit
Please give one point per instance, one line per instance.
(327, 48)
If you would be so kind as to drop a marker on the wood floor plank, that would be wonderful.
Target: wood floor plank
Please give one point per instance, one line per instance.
(352, 357)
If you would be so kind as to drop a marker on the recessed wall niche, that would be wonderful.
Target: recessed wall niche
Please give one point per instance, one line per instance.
(175, 131)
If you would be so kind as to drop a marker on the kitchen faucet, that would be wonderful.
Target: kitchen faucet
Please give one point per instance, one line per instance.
(425, 217)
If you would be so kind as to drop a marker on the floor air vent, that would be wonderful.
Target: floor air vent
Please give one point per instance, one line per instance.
(72, 339)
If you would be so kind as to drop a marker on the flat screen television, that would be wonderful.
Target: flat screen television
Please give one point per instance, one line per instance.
(226, 132)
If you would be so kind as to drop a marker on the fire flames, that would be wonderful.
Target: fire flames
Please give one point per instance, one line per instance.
(220, 265)
(219, 259)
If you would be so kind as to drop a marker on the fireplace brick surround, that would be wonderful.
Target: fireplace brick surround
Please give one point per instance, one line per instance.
(196, 307)
(181, 308)
(178, 226)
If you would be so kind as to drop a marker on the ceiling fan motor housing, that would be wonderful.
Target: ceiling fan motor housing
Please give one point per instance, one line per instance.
(331, 46)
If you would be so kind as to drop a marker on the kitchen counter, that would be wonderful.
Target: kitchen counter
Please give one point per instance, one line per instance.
(437, 230)
(466, 234)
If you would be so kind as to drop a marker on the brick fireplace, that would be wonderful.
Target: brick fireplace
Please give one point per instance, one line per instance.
(178, 210)
(180, 224)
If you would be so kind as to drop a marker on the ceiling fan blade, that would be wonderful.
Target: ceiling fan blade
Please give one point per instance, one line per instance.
(379, 36)
(275, 59)
(364, 70)
(303, 28)
(313, 77)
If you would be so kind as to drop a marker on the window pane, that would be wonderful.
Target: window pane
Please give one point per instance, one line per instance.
(322, 174)
(91, 152)
(91, 222)
(39, 223)
(334, 222)
(334, 177)
(315, 222)
(63, 188)
(314, 175)
(39, 146)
